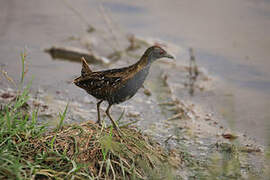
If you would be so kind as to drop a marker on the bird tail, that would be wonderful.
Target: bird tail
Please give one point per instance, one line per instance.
(84, 72)
(85, 68)
(77, 81)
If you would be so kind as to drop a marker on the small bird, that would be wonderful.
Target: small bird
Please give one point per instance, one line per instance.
(118, 85)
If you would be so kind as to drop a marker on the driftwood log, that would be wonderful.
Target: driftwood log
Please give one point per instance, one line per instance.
(75, 54)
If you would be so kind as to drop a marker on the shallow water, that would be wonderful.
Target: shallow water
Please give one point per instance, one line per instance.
(231, 40)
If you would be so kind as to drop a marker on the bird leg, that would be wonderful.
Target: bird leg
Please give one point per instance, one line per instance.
(98, 105)
(113, 122)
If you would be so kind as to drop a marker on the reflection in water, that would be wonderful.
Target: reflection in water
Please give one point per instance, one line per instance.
(193, 72)
(228, 110)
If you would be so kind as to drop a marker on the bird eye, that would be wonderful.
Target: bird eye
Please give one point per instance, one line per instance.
(162, 52)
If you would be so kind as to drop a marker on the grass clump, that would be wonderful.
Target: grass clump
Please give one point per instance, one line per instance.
(16, 131)
(88, 150)
(18, 127)
(74, 151)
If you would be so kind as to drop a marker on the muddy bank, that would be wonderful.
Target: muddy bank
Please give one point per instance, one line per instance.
(193, 137)
(196, 145)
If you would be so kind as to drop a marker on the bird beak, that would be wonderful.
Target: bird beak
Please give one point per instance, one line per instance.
(168, 56)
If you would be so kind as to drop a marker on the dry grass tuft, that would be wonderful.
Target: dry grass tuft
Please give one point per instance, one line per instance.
(90, 150)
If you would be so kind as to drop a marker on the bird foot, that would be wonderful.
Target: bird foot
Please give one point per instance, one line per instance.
(115, 126)
(119, 132)
(98, 122)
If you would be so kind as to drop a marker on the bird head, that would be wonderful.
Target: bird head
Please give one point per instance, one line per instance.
(156, 52)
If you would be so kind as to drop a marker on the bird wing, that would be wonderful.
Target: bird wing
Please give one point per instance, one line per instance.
(100, 81)
(107, 80)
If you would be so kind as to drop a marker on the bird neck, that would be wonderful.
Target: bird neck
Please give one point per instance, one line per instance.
(141, 64)
(145, 60)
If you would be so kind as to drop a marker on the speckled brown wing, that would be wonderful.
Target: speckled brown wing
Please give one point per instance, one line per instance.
(103, 83)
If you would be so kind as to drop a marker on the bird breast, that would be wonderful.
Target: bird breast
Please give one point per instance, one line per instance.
(130, 87)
